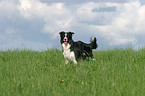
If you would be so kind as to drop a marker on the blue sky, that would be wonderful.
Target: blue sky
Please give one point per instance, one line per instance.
(35, 24)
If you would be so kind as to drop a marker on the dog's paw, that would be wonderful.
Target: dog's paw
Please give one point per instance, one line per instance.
(75, 62)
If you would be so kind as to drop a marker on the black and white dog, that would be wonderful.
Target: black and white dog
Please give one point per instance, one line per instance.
(73, 51)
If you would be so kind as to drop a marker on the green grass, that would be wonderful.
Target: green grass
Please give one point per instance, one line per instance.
(114, 73)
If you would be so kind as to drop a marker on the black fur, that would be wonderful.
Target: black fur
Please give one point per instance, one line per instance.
(81, 49)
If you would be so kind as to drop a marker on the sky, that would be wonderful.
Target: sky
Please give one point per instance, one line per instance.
(35, 24)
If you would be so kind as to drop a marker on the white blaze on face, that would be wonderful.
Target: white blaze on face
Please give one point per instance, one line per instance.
(65, 38)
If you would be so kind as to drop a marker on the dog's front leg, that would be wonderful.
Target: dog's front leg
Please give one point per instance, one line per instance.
(75, 62)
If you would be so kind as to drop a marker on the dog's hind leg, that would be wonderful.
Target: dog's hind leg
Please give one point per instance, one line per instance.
(93, 59)
(91, 55)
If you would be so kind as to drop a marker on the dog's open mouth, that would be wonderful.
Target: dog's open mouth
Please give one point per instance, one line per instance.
(65, 42)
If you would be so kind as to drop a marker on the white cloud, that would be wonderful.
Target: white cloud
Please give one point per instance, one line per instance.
(55, 15)
(124, 26)
(118, 27)
(12, 21)
(8, 9)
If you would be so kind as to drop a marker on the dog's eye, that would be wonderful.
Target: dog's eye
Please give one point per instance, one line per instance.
(62, 36)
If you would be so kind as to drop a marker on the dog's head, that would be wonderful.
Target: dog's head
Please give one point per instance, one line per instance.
(66, 37)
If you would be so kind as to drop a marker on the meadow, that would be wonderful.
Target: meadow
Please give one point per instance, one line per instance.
(115, 72)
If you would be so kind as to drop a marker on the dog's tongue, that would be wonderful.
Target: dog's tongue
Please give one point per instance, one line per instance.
(65, 42)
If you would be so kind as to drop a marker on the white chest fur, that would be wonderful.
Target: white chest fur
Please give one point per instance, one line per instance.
(68, 54)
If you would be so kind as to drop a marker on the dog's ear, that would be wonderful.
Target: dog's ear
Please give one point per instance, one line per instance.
(71, 33)
(62, 32)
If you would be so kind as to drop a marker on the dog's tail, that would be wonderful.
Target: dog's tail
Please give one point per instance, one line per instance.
(93, 43)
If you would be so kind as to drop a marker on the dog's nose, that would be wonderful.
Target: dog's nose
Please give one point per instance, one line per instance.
(65, 39)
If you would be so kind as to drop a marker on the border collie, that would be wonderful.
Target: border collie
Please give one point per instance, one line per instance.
(73, 51)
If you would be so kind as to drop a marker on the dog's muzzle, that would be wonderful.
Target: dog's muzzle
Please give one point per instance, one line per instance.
(65, 39)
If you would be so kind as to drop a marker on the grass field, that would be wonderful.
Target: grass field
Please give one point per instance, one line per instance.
(114, 73)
